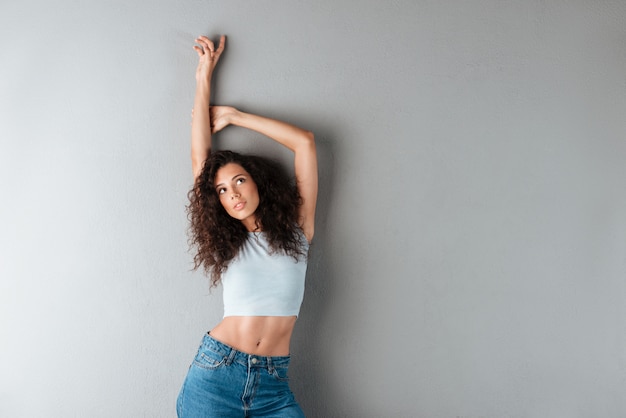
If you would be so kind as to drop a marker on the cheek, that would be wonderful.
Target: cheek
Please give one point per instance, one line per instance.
(222, 200)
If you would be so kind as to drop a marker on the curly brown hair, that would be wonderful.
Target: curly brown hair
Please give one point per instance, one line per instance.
(217, 236)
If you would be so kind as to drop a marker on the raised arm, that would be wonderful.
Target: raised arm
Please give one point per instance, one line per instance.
(208, 56)
(298, 140)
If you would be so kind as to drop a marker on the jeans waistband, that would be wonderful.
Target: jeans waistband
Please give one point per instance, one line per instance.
(233, 355)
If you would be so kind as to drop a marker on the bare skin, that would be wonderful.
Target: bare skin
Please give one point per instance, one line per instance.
(260, 335)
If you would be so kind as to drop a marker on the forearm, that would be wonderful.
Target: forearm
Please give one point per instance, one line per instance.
(208, 56)
(201, 126)
(288, 135)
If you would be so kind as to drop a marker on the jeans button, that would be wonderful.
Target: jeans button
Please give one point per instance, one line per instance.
(254, 360)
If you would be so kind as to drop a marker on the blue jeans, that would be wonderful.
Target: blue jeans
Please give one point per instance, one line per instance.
(224, 382)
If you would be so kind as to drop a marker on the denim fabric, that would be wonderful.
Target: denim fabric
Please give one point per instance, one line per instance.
(224, 382)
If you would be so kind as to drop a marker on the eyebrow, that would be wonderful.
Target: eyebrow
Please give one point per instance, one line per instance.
(236, 175)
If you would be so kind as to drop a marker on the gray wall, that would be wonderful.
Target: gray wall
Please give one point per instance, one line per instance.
(470, 256)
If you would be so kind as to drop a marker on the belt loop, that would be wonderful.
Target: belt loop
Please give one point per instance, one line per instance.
(270, 366)
(231, 356)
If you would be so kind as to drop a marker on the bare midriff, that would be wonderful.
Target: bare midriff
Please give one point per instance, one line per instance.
(259, 335)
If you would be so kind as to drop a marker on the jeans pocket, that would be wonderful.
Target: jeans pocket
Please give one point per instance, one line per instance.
(209, 360)
(280, 374)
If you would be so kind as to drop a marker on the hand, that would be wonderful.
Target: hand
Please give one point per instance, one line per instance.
(208, 56)
(221, 117)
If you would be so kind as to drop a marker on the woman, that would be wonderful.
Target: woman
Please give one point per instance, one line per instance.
(251, 226)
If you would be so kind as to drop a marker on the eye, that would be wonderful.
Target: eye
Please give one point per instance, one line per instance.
(241, 180)
(221, 190)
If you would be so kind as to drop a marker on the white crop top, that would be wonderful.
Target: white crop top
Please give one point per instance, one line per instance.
(257, 283)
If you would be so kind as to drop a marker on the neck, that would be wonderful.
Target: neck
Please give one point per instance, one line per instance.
(251, 224)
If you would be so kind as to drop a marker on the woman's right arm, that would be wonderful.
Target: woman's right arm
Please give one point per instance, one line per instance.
(208, 56)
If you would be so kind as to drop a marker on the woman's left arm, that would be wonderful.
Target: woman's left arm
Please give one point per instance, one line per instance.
(298, 140)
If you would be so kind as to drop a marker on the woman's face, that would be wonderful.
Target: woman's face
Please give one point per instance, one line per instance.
(238, 194)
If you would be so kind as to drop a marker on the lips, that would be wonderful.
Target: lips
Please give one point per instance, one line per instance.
(239, 206)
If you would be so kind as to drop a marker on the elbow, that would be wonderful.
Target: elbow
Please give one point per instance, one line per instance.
(305, 143)
(308, 139)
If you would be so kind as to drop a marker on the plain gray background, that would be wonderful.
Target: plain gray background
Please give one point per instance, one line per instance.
(470, 256)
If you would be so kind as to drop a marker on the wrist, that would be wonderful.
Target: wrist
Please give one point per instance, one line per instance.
(235, 117)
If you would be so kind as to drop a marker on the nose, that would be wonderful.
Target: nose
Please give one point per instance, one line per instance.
(234, 195)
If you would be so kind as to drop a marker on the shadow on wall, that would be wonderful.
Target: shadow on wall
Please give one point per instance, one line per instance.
(309, 379)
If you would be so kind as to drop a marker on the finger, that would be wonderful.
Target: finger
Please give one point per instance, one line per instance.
(222, 44)
(204, 42)
(199, 50)
(202, 39)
